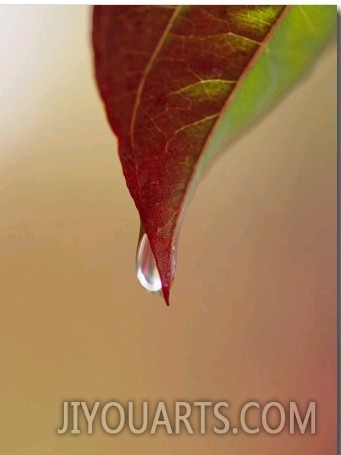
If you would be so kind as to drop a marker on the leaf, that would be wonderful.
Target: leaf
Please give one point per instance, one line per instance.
(179, 82)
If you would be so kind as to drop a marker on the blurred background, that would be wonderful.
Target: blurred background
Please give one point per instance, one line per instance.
(253, 307)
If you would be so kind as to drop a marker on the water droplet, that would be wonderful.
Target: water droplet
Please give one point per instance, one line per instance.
(146, 270)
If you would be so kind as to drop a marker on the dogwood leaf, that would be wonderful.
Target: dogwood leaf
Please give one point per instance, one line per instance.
(179, 82)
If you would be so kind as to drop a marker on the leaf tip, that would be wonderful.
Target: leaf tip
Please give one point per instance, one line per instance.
(165, 292)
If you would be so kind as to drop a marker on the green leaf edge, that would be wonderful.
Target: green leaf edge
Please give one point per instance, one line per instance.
(299, 38)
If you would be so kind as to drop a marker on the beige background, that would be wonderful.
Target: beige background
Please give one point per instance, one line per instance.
(253, 314)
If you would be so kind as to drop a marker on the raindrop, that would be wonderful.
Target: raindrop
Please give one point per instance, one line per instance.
(146, 270)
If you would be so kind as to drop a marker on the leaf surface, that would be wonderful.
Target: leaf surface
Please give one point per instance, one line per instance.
(178, 82)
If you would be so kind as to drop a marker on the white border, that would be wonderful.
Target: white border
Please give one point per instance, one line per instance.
(188, 2)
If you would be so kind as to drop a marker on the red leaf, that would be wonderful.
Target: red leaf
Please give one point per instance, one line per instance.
(157, 69)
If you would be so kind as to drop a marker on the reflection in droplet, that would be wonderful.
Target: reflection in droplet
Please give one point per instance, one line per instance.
(146, 270)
